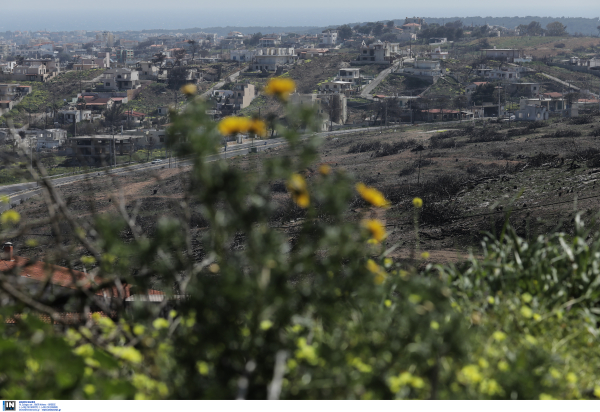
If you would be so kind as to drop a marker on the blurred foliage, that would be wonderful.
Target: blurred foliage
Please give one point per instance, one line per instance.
(321, 314)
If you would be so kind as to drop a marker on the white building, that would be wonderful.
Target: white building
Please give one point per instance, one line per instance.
(508, 54)
(329, 38)
(429, 68)
(51, 138)
(532, 113)
(75, 116)
(272, 57)
(378, 52)
(121, 79)
(349, 75)
(504, 73)
(244, 55)
(438, 54)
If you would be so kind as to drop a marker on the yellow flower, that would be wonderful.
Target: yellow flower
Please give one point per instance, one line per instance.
(10, 216)
(375, 228)
(372, 195)
(189, 89)
(376, 270)
(202, 368)
(233, 125)
(266, 325)
(425, 255)
(499, 336)
(469, 373)
(324, 170)
(490, 387)
(418, 202)
(296, 185)
(88, 260)
(281, 88)
(257, 127)
(503, 366)
(526, 312)
(31, 242)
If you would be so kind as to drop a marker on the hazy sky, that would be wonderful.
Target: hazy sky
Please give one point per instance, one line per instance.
(140, 14)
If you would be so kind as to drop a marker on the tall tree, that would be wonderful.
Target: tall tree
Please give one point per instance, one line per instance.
(179, 54)
(193, 47)
(534, 29)
(344, 32)
(556, 29)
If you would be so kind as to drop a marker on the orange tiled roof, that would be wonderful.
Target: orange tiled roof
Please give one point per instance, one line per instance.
(61, 276)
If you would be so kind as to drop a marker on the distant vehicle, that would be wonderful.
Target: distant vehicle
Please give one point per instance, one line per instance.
(156, 161)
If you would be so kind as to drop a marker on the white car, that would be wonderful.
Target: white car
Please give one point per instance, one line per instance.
(156, 161)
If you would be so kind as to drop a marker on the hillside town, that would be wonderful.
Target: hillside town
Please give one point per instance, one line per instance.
(395, 209)
(387, 73)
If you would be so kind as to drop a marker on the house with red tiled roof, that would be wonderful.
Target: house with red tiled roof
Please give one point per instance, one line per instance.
(95, 103)
(55, 281)
(552, 95)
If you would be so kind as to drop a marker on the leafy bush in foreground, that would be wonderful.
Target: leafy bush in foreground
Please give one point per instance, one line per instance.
(325, 314)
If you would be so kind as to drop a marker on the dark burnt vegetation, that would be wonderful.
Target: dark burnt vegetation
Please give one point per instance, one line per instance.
(382, 149)
(388, 149)
(363, 147)
(563, 133)
(414, 166)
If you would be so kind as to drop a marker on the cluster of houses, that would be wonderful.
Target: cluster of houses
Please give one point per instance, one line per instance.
(92, 150)
(127, 68)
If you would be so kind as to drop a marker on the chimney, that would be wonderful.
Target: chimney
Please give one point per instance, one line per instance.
(7, 251)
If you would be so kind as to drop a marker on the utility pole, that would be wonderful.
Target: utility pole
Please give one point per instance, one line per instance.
(386, 110)
(113, 156)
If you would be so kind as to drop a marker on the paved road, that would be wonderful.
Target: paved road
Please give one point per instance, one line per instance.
(20, 192)
(220, 84)
(560, 81)
(366, 92)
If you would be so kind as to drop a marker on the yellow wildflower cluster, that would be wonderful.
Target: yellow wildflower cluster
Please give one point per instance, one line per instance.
(418, 202)
(280, 87)
(375, 229)
(10, 216)
(189, 89)
(361, 366)
(296, 185)
(306, 352)
(324, 170)
(372, 195)
(405, 379)
(378, 271)
(235, 124)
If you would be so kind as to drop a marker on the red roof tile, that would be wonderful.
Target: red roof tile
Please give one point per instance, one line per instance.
(61, 276)
(553, 95)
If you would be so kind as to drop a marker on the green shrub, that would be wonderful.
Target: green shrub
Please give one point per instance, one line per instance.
(255, 312)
